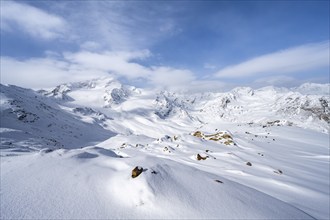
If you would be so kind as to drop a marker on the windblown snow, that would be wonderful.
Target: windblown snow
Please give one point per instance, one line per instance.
(69, 152)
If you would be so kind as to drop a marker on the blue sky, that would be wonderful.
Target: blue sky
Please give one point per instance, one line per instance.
(204, 45)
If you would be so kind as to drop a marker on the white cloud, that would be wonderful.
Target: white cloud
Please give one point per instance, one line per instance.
(43, 72)
(169, 77)
(302, 58)
(279, 80)
(31, 20)
(90, 45)
(209, 66)
(123, 64)
(83, 65)
(112, 62)
(208, 86)
(121, 25)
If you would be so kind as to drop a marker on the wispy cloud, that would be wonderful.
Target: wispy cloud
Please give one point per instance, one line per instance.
(83, 65)
(278, 80)
(209, 66)
(31, 20)
(43, 72)
(121, 25)
(119, 62)
(113, 36)
(170, 77)
(302, 58)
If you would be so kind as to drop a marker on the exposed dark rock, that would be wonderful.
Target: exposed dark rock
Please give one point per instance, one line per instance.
(199, 157)
(136, 171)
(278, 172)
(198, 134)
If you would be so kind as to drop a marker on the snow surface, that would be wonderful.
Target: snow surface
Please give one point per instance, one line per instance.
(68, 153)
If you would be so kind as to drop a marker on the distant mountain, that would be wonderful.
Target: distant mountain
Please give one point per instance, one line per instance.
(75, 114)
(38, 121)
(313, 89)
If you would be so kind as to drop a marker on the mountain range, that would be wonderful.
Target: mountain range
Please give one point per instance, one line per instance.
(68, 152)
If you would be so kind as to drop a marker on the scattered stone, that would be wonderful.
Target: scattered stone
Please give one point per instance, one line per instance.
(278, 172)
(167, 149)
(218, 181)
(153, 172)
(198, 134)
(206, 151)
(228, 142)
(199, 157)
(249, 164)
(227, 136)
(46, 150)
(221, 137)
(136, 171)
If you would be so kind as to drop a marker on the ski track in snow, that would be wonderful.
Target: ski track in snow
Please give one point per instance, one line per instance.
(68, 153)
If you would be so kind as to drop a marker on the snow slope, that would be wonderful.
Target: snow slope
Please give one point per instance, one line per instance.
(68, 153)
(30, 119)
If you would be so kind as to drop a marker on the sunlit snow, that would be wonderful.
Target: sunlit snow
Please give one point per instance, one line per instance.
(69, 152)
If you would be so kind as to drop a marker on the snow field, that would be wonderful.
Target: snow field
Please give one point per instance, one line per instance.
(69, 153)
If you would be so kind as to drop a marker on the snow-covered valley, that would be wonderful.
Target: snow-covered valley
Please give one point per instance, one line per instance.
(69, 152)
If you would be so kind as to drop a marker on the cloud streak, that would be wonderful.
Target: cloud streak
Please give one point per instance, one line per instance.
(118, 62)
(302, 58)
(43, 72)
(121, 25)
(112, 39)
(84, 65)
(34, 21)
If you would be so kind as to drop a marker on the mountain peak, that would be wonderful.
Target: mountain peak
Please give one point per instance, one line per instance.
(313, 89)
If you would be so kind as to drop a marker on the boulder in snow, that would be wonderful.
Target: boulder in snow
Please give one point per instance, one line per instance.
(136, 171)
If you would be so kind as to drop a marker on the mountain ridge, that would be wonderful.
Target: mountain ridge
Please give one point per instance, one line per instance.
(211, 155)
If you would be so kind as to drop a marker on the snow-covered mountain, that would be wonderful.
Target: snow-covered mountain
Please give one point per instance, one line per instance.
(68, 152)
(306, 106)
